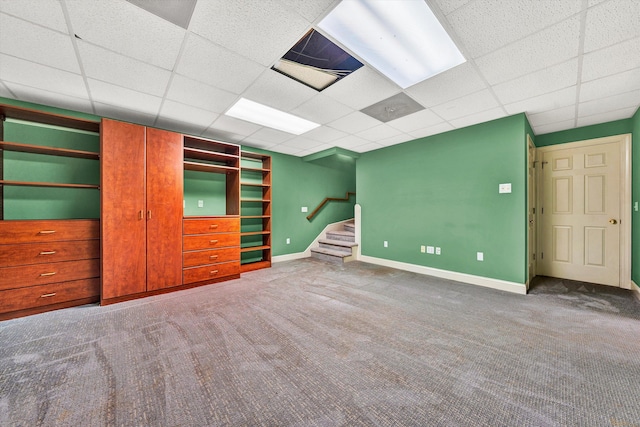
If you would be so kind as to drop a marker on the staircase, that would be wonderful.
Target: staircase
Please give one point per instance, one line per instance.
(339, 246)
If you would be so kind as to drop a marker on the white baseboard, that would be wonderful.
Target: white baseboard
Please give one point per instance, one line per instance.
(307, 253)
(503, 285)
(635, 289)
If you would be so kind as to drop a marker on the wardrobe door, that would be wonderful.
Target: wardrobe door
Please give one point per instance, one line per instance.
(123, 210)
(164, 209)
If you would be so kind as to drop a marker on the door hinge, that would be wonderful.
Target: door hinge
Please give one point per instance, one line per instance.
(534, 257)
(541, 255)
(541, 211)
(534, 210)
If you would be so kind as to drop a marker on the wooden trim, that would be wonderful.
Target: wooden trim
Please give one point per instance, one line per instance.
(44, 309)
(47, 184)
(51, 151)
(330, 199)
(252, 266)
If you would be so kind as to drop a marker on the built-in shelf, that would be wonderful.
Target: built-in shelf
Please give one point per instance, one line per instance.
(256, 171)
(254, 184)
(26, 114)
(206, 167)
(255, 200)
(47, 184)
(264, 171)
(229, 160)
(254, 248)
(255, 233)
(51, 151)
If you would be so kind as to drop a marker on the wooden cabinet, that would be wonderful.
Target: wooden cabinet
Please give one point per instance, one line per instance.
(211, 249)
(46, 265)
(255, 211)
(142, 192)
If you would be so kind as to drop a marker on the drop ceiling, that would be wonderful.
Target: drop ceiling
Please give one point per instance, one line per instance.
(565, 64)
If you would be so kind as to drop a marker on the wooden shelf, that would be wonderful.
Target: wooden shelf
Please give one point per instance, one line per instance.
(199, 154)
(255, 248)
(244, 169)
(255, 200)
(51, 151)
(255, 216)
(254, 156)
(205, 167)
(211, 146)
(255, 233)
(29, 115)
(47, 184)
(255, 184)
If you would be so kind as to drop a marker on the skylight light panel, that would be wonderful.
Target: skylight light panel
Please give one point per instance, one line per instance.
(266, 116)
(402, 39)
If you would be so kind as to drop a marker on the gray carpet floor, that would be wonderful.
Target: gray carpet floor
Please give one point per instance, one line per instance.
(307, 343)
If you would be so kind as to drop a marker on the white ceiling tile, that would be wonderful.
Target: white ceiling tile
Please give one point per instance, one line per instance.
(310, 10)
(321, 109)
(398, 139)
(539, 83)
(612, 103)
(274, 27)
(466, 105)
(255, 143)
(454, 83)
(361, 88)
(127, 29)
(611, 85)
(223, 136)
(302, 143)
(278, 91)
(432, 130)
(192, 92)
(612, 60)
(108, 66)
(235, 126)
(315, 150)
(4, 91)
(595, 2)
(118, 112)
(354, 122)
(35, 43)
(554, 127)
(195, 119)
(549, 101)
(367, 147)
(42, 12)
(117, 96)
(350, 141)
(611, 22)
(481, 117)
(415, 121)
(552, 116)
(27, 73)
(551, 46)
(45, 97)
(609, 116)
(285, 149)
(448, 6)
(379, 132)
(270, 136)
(484, 26)
(216, 66)
(325, 134)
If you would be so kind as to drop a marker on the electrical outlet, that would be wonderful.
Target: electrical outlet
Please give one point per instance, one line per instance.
(480, 256)
(288, 241)
(385, 244)
(423, 249)
(438, 251)
(201, 203)
(304, 209)
(430, 249)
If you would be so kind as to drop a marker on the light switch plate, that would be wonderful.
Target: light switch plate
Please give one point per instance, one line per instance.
(438, 251)
(504, 188)
(201, 203)
(385, 244)
(480, 256)
(304, 209)
(430, 249)
(288, 241)
(423, 249)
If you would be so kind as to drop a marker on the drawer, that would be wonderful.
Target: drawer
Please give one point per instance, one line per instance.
(48, 230)
(210, 241)
(214, 271)
(53, 293)
(39, 274)
(210, 225)
(39, 253)
(193, 259)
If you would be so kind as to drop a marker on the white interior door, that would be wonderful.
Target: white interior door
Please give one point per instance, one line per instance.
(581, 213)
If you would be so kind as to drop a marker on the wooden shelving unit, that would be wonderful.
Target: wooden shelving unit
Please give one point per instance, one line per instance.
(255, 216)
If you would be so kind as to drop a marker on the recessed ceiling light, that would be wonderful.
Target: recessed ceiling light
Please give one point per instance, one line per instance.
(266, 116)
(402, 39)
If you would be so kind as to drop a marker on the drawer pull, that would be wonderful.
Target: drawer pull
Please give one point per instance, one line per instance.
(214, 272)
(47, 231)
(213, 242)
(52, 294)
(213, 226)
(213, 256)
(47, 274)
(47, 252)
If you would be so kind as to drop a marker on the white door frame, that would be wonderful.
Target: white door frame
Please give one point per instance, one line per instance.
(625, 196)
(532, 233)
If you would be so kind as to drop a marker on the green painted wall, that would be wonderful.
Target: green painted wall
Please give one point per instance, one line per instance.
(631, 125)
(296, 183)
(443, 191)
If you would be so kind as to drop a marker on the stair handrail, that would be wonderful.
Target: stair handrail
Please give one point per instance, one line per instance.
(330, 199)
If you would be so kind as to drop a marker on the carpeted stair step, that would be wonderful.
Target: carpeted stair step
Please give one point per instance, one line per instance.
(330, 255)
(346, 236)
(337, 245)
(350, 226)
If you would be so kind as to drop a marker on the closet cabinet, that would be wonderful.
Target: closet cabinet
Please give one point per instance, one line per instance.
(141, 210)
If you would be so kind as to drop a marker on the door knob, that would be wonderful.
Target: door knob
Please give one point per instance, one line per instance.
(613, 221)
